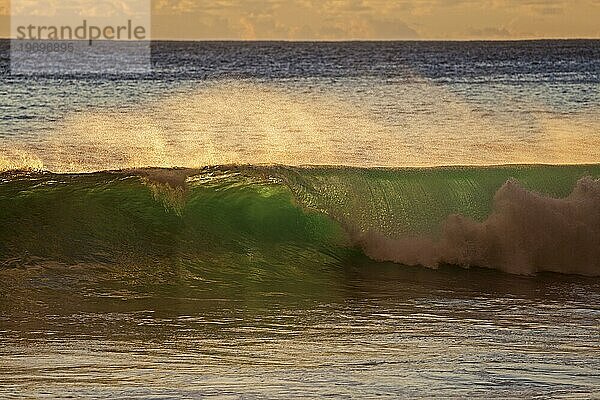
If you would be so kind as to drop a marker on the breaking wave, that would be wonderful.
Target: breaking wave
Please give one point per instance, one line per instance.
(520, 219)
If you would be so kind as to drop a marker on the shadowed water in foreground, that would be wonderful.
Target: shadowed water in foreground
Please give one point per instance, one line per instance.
(361, 329)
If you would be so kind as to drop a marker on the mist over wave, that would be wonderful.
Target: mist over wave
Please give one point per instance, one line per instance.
(246, 122)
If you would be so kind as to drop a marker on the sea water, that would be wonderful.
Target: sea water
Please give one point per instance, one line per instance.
(403, 219)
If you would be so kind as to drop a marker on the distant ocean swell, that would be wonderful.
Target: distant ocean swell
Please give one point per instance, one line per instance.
(518, 219)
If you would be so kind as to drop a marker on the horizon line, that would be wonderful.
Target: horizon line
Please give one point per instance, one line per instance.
(525, 39)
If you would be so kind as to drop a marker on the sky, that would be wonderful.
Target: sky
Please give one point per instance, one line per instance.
(365, 19)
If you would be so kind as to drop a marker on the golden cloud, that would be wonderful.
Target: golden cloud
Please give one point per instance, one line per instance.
(368, 19)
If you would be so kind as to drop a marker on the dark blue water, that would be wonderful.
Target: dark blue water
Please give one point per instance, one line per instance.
(575, 61)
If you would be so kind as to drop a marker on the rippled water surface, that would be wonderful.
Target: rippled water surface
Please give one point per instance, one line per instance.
(362, 330)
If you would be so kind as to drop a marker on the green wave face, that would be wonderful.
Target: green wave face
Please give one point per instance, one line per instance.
(289, 221)
(107, 217)
(415, 200)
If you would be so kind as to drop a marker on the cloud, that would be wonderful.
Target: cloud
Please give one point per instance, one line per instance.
(390, 28)
(278, 19)
(363, 19)
(490, 33)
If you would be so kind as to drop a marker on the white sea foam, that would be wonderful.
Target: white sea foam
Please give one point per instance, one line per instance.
(526, 233)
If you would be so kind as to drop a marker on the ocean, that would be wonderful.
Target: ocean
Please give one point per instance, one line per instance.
(304, 219)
